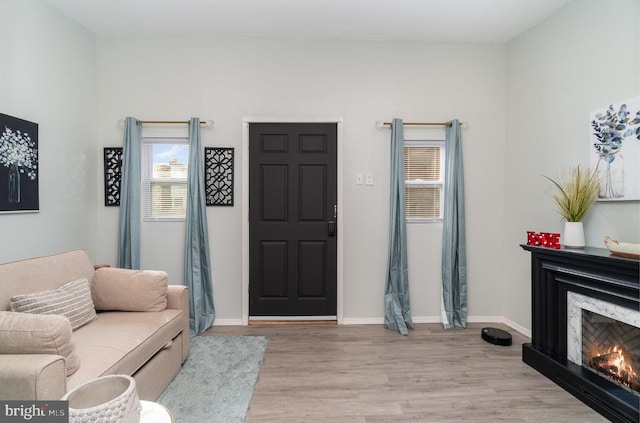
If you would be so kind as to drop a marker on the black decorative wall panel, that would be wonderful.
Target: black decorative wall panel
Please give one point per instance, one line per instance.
(112, 175)
(218, 176)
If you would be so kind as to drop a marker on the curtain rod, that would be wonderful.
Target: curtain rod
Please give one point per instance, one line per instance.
(380, 124)
(420, 123)
(170, 122)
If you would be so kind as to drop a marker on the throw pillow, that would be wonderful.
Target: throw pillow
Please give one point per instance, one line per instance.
(24, 333)
(72, 300)
(129, 290)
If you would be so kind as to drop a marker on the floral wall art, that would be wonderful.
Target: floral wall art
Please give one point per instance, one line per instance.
(18, 165)
(615, 150)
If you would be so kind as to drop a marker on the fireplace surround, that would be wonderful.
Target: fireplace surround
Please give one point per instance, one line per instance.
(565, 284)
(605, 338)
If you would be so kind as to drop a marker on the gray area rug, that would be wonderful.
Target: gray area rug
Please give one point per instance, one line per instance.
(216, 382)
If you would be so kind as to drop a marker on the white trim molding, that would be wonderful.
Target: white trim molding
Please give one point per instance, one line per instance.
(436, 319)
(380, 321)
(245, 206)
(227, 322)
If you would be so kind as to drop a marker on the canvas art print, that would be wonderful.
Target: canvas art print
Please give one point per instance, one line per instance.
(18, 165)
(615, 149)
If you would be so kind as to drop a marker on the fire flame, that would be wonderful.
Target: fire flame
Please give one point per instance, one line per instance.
(616, 365)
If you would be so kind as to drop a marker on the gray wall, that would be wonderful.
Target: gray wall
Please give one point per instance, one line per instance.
(359, 82)
(584, 57)
(48, 76)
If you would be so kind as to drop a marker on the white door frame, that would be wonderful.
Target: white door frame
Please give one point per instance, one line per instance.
(245, 207)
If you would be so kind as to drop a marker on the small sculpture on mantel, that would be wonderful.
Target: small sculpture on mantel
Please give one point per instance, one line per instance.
(622, 249)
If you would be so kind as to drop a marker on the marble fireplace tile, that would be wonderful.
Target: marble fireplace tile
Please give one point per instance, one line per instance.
(578, 302)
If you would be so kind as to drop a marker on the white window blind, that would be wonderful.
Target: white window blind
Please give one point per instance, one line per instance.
(164, 178)
(424, 180)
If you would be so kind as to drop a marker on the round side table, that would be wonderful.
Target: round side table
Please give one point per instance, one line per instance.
(152, 412)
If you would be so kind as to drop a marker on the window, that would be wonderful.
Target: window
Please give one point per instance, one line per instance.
(424, 180)
(164, 178)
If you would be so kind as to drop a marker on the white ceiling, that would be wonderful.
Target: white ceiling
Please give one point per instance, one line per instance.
(416, 20)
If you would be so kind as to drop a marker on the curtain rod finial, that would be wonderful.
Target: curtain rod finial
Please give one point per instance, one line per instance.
(120, 123)
(209, 122)
(379, 124)
(464, 124)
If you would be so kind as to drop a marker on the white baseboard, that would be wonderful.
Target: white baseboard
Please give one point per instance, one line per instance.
(485, 319)
(436, 319)
(227, 322)
(526, 332)
(426, 319)
(419, 319)
(363, 321)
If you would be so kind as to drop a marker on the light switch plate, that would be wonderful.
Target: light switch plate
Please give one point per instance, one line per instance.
(369, 179)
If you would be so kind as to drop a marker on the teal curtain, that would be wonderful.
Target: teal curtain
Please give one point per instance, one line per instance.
(396, 296)
(197, 267)
(129, 226)
(454, 255)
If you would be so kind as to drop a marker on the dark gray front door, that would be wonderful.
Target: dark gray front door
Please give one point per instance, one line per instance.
(292, 219)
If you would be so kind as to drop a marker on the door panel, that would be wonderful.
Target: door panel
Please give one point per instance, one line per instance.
(274, 278)
(313, 269)
(312, 194)
(274, 193)
(292, 194)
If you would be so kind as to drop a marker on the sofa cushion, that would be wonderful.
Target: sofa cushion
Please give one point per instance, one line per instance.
(129, 290)
(121, 342)
(24, 333)
(42, 273)
(72, 300)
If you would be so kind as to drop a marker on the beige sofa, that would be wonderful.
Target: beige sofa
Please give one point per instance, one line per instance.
(42, 357)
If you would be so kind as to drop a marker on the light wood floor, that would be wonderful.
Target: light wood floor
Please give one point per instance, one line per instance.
(366, 374)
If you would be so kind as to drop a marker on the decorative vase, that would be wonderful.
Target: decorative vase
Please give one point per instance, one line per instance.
(610, 169)
(573, 236)
(111, 398)
(14, 183)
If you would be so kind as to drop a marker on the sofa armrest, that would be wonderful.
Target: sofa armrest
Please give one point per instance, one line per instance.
(178, 299)
(32, 377)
